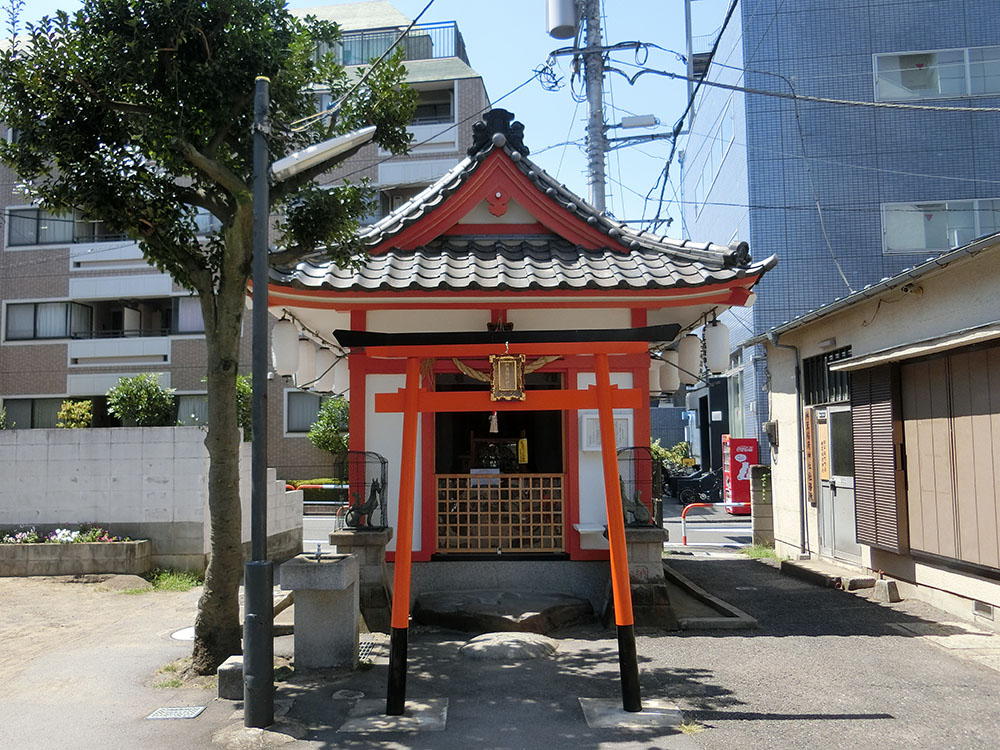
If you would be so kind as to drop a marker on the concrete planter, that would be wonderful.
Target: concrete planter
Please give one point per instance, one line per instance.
(76, 558)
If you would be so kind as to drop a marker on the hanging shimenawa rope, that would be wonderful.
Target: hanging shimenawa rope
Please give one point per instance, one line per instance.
(485, 376)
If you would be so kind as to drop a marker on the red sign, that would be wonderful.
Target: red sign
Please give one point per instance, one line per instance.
(738, 455)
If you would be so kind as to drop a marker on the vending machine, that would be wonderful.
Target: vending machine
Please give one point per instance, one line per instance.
(738, 455)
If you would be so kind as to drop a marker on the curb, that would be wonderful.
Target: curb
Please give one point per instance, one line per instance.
(815, 577)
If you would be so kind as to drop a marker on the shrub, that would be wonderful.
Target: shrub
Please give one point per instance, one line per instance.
(76, 414)
(142, 401)
(672, 458)
(4, 424)
(329, 431)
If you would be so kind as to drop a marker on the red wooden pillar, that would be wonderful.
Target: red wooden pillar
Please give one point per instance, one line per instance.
(621, 589)
(395, 702)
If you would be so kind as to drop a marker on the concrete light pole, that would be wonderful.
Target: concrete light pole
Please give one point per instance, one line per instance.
(258, 581)
(593, 64)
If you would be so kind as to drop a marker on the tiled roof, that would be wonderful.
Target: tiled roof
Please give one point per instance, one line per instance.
(631, 260)
(511, 264)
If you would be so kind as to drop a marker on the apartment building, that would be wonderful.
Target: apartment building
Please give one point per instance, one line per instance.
(81, 308)
(893, 167)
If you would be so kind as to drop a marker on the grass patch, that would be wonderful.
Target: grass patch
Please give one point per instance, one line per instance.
(179, 673)
(173, 580)
(691, 727)
(760, 552)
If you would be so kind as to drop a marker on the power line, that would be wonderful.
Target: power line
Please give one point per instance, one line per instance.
(335, 108)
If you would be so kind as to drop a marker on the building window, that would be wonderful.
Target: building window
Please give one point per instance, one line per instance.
(937, 74)
(187, 315)
(734, 384)
(206, 222)
(27, 413)
(36, 226)
(301, 409)
(47, 320)
(434, 107)
(192, 409)
(819, 384)
(938, 226)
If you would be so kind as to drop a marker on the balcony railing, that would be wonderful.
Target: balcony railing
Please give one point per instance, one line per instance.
(424, 42)
(123, 334)
(499, 513)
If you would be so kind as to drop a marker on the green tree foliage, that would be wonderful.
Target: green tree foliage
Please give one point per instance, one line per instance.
(244, 405)
(4, 424)
(672, 458)
(141, 401)
(139, 113)
(329, 431)
(76, 414)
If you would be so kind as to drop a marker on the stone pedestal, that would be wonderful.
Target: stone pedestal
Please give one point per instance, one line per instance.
(650, 598)
(327, 617)
(645, 553)
(369, 549)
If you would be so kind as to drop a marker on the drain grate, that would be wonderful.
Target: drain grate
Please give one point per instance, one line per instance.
(177, 712)
(367, 649)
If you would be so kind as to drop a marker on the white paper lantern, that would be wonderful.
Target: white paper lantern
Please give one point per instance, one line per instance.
(285, 347)
(325, 360)
(670, 379)
(689, 358)
(717, 346)
(654, 375)
(307, 364)
(341, 378)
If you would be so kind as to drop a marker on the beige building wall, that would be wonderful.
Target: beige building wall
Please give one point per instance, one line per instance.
(961, 296)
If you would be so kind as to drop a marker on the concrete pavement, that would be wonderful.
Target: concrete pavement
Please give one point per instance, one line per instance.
(826, 669)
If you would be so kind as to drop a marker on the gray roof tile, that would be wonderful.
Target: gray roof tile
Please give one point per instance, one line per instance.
(631, 260)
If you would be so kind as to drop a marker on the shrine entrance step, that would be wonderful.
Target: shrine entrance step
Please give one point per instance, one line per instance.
(488, 611)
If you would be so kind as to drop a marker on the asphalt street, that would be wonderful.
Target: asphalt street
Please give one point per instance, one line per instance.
(825, 669)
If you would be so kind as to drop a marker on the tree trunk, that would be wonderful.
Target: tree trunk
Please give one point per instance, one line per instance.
(217, 627)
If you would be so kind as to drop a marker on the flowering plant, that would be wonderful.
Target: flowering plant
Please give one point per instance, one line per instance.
(86, 533)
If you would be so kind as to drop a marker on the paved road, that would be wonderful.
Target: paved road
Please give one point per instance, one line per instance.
(826, 669)
(706, 527)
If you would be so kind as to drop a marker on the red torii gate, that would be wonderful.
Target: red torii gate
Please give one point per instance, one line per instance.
(411, 400)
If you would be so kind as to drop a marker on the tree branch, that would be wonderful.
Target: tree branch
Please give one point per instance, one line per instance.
(203, 200)
(220, 137)
(214, 169)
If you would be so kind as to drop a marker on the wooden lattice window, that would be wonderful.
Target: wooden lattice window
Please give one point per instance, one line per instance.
(507, 512)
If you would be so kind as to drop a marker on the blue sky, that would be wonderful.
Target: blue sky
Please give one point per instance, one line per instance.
(506, 41)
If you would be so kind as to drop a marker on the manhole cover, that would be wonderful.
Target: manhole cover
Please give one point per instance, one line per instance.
(184, 634)
(177, 712)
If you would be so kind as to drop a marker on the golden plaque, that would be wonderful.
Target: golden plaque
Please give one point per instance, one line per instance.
(507, 380)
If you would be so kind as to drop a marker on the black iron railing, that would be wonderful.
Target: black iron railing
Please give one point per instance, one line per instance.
(424, 42)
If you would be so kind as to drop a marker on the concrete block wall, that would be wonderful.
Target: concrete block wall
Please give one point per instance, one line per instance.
(143, 482)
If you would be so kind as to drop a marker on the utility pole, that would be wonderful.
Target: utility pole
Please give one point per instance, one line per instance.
(593, 62)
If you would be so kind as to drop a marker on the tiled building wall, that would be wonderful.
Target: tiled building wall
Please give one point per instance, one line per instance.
(849, 159)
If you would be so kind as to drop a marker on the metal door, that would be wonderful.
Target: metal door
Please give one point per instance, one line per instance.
(838, 537)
